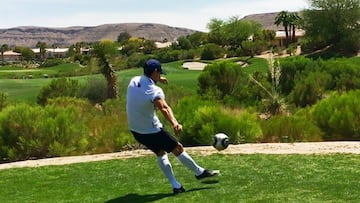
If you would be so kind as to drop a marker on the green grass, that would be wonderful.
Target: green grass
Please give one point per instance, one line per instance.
(244, 178)
(28, 89)
(16, 72)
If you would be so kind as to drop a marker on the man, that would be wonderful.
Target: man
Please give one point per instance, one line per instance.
(142, 100)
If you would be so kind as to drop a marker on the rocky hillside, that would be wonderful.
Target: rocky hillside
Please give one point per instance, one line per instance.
(29, 36)
(266, 20)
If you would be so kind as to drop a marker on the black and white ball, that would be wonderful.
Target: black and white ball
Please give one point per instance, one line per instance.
(221, 141)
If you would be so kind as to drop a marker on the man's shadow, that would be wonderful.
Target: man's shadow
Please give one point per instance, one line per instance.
(135, 198)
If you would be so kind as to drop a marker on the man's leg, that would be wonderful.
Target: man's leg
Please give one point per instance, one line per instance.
(187, 161)
(166, 167)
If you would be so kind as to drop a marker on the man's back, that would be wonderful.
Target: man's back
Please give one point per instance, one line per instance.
(140, 109)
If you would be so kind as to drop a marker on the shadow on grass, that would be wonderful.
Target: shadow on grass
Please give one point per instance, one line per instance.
(137, 198)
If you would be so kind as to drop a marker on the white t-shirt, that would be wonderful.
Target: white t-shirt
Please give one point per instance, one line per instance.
(140, 109)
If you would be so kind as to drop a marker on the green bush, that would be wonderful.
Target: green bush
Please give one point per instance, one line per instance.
(3, 100)
(222, 78)
(62, 87)
(29, 132)
(95, 90)
(310, 88)
(202, 119)
(294, 128)
(212, 51)
(339, 116)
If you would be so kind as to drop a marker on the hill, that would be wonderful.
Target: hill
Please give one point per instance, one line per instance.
(29, 36)
(266, 20)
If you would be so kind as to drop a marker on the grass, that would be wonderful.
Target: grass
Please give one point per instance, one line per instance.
(28, 89)
(244, 178)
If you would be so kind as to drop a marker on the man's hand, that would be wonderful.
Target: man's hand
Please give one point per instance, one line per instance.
(177, 128)
(163, 80)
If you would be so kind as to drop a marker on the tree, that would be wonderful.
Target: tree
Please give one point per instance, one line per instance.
(283, 19)
(123, 38)
(197, 39)
(26, 53)
(294, 20)
(335, 24)
(104, 51)
(216, 33)
(149, 46)
(42, 46)
(3, 48)
(238, 31)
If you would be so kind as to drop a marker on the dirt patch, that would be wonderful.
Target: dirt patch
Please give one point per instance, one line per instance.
(264, 148)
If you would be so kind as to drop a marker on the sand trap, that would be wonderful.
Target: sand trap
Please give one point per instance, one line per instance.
(194, 65)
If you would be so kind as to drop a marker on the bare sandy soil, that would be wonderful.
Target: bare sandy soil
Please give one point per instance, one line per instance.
(264, 148)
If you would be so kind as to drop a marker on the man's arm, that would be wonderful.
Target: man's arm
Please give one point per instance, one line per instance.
(168, 113)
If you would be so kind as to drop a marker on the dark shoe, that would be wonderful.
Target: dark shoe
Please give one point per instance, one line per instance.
(178, 190)
(208, 173)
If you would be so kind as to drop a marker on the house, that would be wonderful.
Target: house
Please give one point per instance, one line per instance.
(53, 52)
(11, 56)
(280, 36)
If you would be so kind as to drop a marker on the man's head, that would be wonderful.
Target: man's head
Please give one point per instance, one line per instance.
(151, 65)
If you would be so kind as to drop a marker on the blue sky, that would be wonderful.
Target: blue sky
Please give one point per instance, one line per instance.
(193, 14)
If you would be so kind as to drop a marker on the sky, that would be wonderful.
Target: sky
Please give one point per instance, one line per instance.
(192, 14)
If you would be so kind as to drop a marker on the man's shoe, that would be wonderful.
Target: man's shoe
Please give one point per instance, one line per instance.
(178, 190)
(208, 173)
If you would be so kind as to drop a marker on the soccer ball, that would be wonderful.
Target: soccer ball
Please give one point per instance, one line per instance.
(221, 141)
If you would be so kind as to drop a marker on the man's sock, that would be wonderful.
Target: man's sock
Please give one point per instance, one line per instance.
(187, 161)
(166, 167)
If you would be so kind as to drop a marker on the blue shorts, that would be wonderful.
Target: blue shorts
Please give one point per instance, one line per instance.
(156, 142)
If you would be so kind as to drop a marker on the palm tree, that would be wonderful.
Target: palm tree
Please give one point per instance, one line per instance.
(294, 21)
(283, 19)
(42, 47)
(104, 51)
(4, 48)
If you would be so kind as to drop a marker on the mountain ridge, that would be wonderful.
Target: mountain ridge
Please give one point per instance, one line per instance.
(65, 36)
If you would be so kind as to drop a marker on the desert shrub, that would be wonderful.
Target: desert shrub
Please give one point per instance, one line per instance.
(202, 119)
(294, 128)
(339, 116)
(95, 90)
(58, 87)
(222, 78)
(36, 132)
(248, 129)
(3, 100)
(108, 127)
(51, 62)
(212, 51)
(310, 88)
(345, 74)
(290, 68)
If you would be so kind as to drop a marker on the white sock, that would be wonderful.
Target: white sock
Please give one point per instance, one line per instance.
(166, 167)
(187, 161)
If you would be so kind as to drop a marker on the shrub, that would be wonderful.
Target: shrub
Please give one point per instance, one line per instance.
(3, 100)
(339, 116)
(202, 119)
(310, 88)
(36, 132)
(294, 128)
(94, 90)
(58, 87)
(212, 51)
(222, 78)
